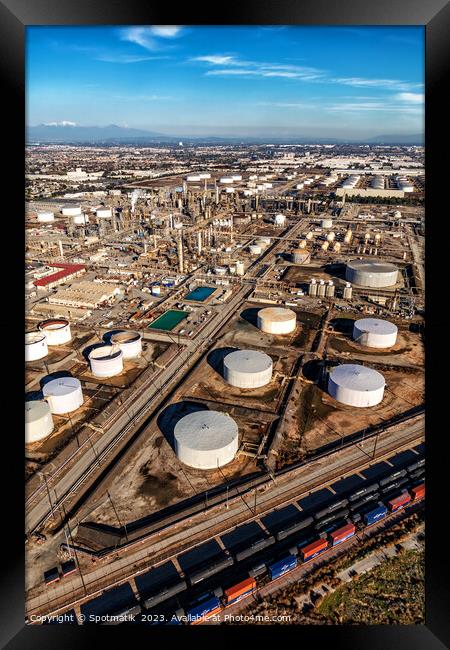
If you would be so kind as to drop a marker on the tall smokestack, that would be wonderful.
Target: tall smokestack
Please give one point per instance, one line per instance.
(180, 254)
(61, 252)
(199, 241)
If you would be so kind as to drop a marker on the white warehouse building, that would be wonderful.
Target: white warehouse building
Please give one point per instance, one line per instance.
(356, 385)
(206, 439)
(375, 333)
(247, 369)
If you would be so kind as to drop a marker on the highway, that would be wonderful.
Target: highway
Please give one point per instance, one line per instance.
(160, 547)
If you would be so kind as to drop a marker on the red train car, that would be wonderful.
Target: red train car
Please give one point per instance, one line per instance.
(418, 492)
(313, 549)
(239, 591)
(341, 534)
(399, 502)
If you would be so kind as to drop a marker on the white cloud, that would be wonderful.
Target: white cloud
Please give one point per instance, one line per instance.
(63, 123)
(215, 59)
(374, 106)
(392, 84)
(269, 70)
(166, 31)
(125, 58)
(411, 98)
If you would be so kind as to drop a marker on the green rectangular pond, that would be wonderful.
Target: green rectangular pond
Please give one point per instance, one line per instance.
(168, 320)
(200, 293)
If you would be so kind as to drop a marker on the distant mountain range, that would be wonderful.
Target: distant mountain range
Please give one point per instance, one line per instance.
(72, 133)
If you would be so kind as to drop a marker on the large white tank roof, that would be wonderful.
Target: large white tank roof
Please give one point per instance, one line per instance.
(247, 368)
(38, 421)
(63, 394)
(375, 333)
(206, 439)
(45, 217)
(371, 274)
(276, 320)
(356, 385)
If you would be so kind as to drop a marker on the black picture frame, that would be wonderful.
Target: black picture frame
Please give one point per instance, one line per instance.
(15, 16)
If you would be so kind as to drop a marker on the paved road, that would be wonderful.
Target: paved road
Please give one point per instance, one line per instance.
(218, 520)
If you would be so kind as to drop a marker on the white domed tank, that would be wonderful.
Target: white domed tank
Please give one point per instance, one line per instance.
(336, 247)
(106, 361)
(254, 249)
(56, 330)
(303, 243)
(206, 439)
(326, 223)
(371, 274)
(331, 236)
(279, 219)
(309, 235)
(35, 346)
(375, 333)
(63, 394)
(103, 213)
(81, 219)
(45, 217)
(356, 385)
(240, 269)
(267, 241)
(301, 256)
(276, 320)
(129, 342)
(71, 210)
(261, 242)
(247, 369)
(38, 421)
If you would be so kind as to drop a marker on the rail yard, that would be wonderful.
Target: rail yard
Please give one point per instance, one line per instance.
(224, 371)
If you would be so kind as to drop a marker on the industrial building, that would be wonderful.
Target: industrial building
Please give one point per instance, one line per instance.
(375, 333)
(356, 385)
(367, 273)
(84, 294)
(247, 369)
(206, 439)
(65, 272)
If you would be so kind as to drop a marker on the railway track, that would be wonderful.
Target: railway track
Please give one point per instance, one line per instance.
(136, 561)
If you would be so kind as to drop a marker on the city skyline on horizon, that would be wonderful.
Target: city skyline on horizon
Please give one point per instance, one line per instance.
(261, 81)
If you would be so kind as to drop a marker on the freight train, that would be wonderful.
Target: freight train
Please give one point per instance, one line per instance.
(315, 535)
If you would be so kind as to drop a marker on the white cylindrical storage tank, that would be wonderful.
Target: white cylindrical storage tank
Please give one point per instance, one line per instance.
(301, 256)
(279, 219)
(266, 240)
(331, 236)
(325, 245)
(336, 247)
(156, 290)
(254, 249)
(220, 270)
(303, 243)
(247, 369)
(45, 217)
(129, 342)
(261, 243)
(103, 213)
(309, 235)
(63, 395)
(35, 346)
(321, 289)
(356, 385)
(348, 236)
(57, 331)
(81, 219)
(312, 288)
(206, 439)
(38, 421)
(371, 274)
(375, 333)
(326, 223)
(106, 361)
(240, 269)
(71, 210)
(276, 320)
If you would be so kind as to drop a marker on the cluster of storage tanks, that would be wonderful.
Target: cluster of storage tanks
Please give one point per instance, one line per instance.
(322, 288)
(63, 395)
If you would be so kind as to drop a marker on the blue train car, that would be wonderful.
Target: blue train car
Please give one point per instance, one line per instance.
(375, 515)
(281, 567)
(204, 610)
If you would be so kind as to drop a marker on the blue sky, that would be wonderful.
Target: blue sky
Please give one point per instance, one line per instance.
(258, 81)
